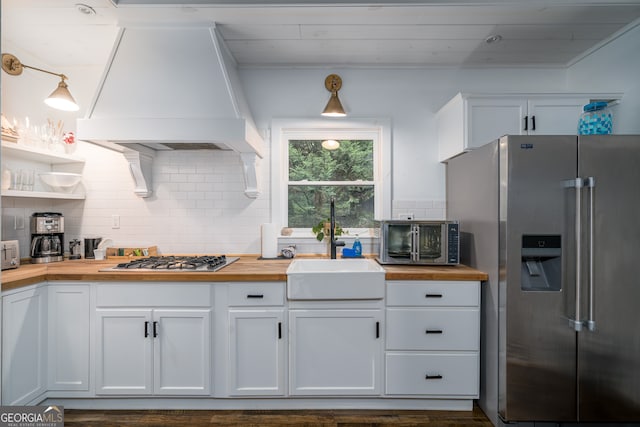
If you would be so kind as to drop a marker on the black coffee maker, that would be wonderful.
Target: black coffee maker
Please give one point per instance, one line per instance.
(47, 237)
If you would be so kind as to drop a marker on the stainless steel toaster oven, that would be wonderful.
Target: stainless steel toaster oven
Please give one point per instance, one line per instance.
(419, 242)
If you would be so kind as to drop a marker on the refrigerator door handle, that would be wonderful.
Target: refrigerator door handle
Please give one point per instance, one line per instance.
(577, 183)
(591, 184)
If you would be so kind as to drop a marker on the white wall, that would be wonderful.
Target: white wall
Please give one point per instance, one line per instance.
(617, 66)
(199, 204)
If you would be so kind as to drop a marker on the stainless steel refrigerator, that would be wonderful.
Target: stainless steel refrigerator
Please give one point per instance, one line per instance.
(555, 222)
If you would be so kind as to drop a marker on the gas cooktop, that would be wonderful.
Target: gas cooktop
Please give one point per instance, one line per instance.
(176, 263)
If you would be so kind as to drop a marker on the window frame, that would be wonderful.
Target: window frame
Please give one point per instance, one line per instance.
(283, 130)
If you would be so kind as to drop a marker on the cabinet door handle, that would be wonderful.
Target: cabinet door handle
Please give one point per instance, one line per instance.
(433, 377)
(433, 296)
(433, 331)
(255, 296)
(155, 329)
(377, 330)
(533, 122)
(526, 122)
(146, 329)
(279, 330)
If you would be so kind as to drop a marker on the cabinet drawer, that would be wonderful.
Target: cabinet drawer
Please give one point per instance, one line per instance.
(433, 293)
(256, 294)
(127, 294)
(443, 374)
(433, 329)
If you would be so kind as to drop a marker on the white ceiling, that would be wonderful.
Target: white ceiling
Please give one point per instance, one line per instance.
(330, 33)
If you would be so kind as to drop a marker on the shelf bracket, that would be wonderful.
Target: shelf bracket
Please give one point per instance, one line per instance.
(250, 176)
(140, 166)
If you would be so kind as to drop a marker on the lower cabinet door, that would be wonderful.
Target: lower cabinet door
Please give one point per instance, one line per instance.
(335, 352)
(23, 346)
(182, 345)
(124, 362)
(256, 352)
(435, 374)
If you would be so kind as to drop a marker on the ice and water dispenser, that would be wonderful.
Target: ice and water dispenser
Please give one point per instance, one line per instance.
(541, 263)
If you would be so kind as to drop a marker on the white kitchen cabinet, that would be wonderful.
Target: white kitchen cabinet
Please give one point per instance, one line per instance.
(256, 352)
(433, 339)
(257, 339)
(335, 352)
(68, 335)
(18, 156)
(145, 351)
(153, 339)
(24, 315)
(469, 121)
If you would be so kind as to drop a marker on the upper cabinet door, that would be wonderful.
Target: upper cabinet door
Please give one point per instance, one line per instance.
(490, 118)
(555, 116)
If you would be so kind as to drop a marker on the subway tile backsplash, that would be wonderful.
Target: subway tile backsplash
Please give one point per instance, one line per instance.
(197, 206)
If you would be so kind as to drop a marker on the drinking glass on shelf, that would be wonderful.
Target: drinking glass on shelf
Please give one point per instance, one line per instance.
(28, 179)
(16, 180)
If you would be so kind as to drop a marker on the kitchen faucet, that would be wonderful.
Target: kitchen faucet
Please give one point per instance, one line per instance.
(334, 243)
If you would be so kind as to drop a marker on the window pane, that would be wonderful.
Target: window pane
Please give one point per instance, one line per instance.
(309, 204)
(351, 162)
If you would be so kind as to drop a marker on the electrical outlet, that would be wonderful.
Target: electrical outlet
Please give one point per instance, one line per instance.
(115, 221)
(18, 222)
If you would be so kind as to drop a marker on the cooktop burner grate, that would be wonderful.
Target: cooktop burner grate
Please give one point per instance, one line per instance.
(181, 263)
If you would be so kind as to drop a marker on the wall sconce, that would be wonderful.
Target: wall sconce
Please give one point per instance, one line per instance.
(330, 144)
(60, 99)
(333, 83)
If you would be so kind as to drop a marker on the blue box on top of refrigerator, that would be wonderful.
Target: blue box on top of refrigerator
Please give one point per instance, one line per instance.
(555, 222)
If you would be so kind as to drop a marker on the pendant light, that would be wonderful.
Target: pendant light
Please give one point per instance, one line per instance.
(59, 99)
(330, 144)
(333, 83)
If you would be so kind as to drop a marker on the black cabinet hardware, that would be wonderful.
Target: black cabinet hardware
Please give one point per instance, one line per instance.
(433, 377)
(433, 296)
(255, 296)
(279, 330)
(533, 122)
(377, 329)
(155, 329)
(526, 122)
(433, 331)
(146, 329)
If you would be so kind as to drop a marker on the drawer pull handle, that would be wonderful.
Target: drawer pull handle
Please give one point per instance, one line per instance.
(433, 377)
(155, 329)
(433, 331)
(146, 329)
(255, 296)
(279, 330)
(377, 330)
(433, 296)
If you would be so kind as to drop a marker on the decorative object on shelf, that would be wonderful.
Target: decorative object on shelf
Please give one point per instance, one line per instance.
(61, 182)
(8, 131)
(322, 229)
(69, 142)
(60, 98)
(333, 83)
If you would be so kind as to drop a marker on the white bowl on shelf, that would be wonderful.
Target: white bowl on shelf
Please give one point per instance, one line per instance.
(61, 182)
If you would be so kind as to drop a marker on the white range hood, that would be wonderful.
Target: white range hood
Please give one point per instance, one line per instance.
(171, 88)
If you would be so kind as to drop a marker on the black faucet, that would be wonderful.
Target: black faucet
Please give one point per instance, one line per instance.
(334, 243)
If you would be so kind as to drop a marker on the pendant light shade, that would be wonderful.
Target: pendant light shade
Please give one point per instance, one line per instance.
(333, 83)
(330, 144)
(59, 99)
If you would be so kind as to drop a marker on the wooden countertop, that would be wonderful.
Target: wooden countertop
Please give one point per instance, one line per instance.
(247, 269)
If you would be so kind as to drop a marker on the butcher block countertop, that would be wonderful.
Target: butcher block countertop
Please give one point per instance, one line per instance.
(247, 269)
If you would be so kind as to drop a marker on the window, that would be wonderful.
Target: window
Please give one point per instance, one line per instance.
(316, 175)
(306, 176)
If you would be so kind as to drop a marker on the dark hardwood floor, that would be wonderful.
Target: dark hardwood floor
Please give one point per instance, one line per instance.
(324, 418)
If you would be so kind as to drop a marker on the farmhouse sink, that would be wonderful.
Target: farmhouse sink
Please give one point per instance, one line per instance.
(331, 279)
